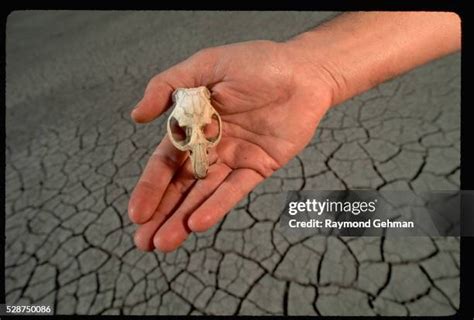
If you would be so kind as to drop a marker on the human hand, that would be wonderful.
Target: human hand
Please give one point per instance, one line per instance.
(270, 96)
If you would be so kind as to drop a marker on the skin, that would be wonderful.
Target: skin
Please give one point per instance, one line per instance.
(271, 97)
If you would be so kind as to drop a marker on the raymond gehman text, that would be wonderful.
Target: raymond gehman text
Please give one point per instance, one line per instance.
(340, 215)
(328, 223)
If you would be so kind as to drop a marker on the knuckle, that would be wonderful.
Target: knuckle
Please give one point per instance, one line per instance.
(200, 192)
(148, 185)
(153, 82)
(233, 189)
(204, 54)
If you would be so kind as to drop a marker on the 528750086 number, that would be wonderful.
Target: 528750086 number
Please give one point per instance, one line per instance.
(25, 309)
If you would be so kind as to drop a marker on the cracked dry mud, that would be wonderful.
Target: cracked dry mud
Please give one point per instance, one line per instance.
(73, 156)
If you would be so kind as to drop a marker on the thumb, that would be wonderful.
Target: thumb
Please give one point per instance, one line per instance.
(195, 71)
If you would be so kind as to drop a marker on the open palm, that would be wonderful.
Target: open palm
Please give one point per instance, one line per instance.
(270, 100)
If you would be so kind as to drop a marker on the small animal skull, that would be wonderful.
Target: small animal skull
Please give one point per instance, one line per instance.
(193, 111)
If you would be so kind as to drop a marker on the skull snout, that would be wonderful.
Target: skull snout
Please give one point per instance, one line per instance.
(199, 160)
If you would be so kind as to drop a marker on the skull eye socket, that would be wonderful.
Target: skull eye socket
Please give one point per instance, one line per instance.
(211, 130)
(179, 133)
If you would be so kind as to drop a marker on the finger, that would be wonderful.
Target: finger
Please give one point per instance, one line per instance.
(238, 184)
(161, 167)
(179, 187)
(195, 71)
(175, 192)
(143, 237)
(156, 99)
(175, 230)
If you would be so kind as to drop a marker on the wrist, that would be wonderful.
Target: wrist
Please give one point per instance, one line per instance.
(321, 62)
(357, 51)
